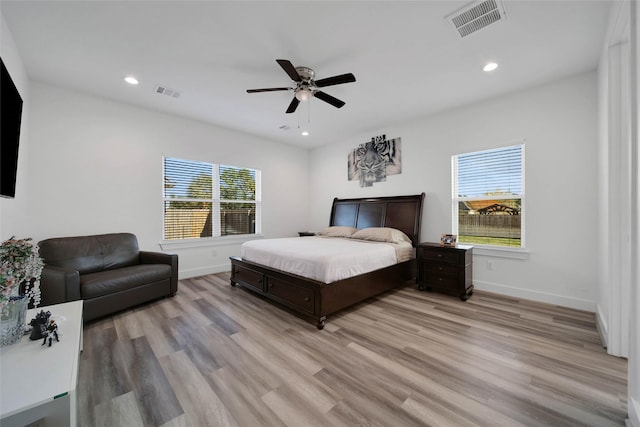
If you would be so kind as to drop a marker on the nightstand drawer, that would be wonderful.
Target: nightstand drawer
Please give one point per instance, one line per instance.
(440, 280)
(440, 256)
(441, 269)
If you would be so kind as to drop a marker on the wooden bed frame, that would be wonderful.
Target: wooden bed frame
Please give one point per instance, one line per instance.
(315, 300)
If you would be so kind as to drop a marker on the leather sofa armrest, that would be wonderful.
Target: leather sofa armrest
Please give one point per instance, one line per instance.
(147, 257)
(58, 285)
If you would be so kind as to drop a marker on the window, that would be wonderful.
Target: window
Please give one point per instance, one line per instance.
(488, 197)
(209, 200)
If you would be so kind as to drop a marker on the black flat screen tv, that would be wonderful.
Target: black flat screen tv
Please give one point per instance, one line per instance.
(10, 118)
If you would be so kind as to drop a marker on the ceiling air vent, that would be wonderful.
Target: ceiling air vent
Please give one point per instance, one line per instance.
(163, 90)
(476, 16)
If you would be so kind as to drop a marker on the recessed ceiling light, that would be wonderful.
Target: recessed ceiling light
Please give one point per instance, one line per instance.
(131, 80)
(490, 66)
(305, 133)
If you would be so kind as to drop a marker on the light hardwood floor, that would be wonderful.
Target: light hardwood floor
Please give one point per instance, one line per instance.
(220, 356)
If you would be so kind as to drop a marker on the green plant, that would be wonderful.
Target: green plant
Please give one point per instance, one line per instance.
(20, 270)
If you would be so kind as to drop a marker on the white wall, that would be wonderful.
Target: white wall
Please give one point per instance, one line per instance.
(619, 236)
(95, 166)
(558, 121)
(633, 394)
(9, 208)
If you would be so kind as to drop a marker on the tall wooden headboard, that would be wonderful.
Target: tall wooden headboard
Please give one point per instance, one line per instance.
(401, 212)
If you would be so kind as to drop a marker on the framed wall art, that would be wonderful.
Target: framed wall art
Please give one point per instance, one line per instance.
(372, 161)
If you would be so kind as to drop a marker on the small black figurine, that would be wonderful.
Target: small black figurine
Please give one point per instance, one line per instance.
(52, 331)
(39, 325)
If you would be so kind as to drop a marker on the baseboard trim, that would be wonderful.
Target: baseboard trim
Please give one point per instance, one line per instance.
(602, 326)
(203, 271)
(548, 298)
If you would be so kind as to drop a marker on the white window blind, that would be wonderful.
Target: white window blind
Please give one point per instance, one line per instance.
(488, 196)
(209, 200)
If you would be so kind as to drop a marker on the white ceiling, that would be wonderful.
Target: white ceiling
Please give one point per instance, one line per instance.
(407, 59)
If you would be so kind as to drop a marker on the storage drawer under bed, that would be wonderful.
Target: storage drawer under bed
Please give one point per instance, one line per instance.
(248, 277)
(295, 295)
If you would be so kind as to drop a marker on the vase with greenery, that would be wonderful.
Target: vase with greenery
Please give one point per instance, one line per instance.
(20, 270)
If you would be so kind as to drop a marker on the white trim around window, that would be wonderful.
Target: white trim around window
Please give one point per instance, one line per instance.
(490, 186)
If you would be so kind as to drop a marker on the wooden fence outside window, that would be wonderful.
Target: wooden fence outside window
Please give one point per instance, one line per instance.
(194, 223)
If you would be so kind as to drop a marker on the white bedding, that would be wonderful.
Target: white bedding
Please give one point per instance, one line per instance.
(326, 259)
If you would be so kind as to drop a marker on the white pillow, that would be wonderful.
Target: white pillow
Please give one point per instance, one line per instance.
(381, 234)
(337, 231)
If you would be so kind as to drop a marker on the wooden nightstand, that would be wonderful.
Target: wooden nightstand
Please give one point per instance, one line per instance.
(445, 269)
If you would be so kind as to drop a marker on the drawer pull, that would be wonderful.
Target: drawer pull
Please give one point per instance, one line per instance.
(439, 255)
(271, 285)
(440, 268)
(440, 279)
(307, 299)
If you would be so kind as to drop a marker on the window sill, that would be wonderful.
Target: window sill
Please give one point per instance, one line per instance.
(208, 241)
(513, 253)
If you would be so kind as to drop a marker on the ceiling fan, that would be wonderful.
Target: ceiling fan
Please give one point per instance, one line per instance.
(307, 86)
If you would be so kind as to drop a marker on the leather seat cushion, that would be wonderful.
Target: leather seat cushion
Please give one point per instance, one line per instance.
(107, 282)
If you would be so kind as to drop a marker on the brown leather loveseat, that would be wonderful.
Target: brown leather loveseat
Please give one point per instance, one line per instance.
(107, 271)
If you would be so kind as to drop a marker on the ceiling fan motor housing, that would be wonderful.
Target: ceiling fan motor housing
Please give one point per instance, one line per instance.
(306, 73)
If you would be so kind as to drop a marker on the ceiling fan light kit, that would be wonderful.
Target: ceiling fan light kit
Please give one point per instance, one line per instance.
(303, 94)
(306, 87)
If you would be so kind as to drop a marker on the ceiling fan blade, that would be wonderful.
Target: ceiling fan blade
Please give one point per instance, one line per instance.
(336, 80)
(288, 67)
(293, 105)
(271, 89)
(329, 99)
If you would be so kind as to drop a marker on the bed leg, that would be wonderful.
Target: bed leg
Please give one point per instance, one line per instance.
(233, 283)
(321, 322)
